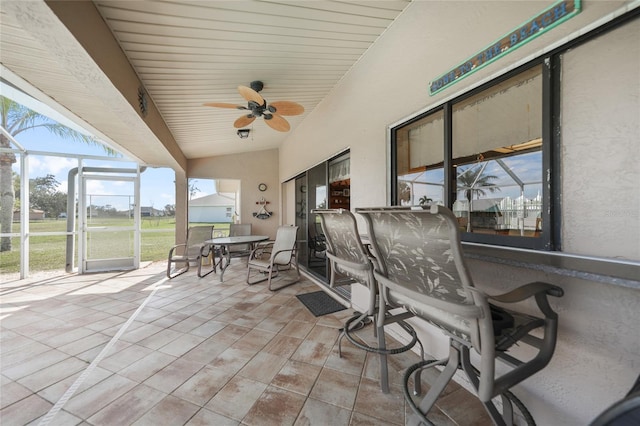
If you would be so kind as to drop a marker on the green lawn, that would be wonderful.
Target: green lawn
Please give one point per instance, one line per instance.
(49, 252)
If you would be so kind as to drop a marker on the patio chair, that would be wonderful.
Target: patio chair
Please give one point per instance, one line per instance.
(269, 259)
(239, 250)
(421, 267)
(349, 257)
(195, 250)
(317, 244)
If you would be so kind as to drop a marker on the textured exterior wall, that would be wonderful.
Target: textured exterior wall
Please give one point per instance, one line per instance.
(601, 146)
(598, 354)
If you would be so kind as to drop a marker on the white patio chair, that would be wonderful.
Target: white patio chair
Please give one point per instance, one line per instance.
(269, 259)
(195, 250)
(239, 250)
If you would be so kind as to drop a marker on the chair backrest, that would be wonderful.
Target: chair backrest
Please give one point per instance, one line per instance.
(196, 236)
(316, 239)
(285, 240)
(344, 246)
(239, 229)
(420, 265)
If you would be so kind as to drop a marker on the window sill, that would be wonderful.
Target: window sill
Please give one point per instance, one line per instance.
(619, 272)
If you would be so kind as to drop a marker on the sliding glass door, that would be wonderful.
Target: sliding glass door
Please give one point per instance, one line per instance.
(326, 185)
(313, 195)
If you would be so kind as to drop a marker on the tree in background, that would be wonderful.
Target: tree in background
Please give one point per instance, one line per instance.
(15, 119)
(44, 195)
(170, 210)
(404, 193)
(193, 189)
(474, 182)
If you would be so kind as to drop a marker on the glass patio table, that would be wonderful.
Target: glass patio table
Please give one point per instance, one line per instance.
(226, 242)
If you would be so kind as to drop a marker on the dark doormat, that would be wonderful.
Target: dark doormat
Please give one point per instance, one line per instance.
(320, 303)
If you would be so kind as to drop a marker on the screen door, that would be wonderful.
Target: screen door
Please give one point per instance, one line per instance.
(109, 217)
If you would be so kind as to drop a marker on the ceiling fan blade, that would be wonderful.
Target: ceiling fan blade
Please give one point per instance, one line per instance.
(277, 122)
(224, 105)
(287, 107)
(243, 121)
(250, 95)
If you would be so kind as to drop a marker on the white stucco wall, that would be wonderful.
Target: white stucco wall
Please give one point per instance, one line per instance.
(597, 356)
(601, 146)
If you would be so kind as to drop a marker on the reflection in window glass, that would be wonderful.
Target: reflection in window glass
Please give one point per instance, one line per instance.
(497, 153)
(420, 158)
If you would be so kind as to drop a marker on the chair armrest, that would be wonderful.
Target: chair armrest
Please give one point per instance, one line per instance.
(175, 247)
(538, 289)
(528, 290)
(261, 248)
(284, 251)
(205, 249)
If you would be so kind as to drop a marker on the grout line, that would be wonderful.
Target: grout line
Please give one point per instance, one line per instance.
(69, 393)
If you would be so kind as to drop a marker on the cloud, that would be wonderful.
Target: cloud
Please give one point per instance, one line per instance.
(96, 187)
(42, 166)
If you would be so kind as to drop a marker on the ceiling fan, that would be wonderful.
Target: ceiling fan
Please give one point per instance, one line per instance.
(272, 113)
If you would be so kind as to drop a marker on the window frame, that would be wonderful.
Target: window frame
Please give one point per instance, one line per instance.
(550, 237)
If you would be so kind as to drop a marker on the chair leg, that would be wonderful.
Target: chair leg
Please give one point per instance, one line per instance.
(382, 345)
(357, 321)
(213, 266)
(472, 375)
(384, 368)
(252, 282)
(178, 272)
(421, 410)
(286, 284)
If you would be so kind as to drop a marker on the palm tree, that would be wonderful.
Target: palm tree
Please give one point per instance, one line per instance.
(472, 181)
(15, 119)
(424, 200)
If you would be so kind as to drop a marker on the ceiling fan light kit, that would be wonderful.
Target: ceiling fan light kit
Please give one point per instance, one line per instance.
(243, 133)
(271, 113)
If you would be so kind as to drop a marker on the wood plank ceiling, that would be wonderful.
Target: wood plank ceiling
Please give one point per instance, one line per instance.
(187, 53)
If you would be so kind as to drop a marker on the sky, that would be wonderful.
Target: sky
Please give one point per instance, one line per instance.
(156, 184)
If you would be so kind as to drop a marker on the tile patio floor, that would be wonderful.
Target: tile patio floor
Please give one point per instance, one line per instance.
(194, 352)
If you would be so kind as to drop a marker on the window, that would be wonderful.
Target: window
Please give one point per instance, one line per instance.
(420, 153)
(483, 156)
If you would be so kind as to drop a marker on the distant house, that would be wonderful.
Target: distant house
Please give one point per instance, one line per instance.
(212, 208)
(33, 215)
(150, 212)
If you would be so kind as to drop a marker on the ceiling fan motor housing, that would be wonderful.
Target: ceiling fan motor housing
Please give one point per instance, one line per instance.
(256, 109)
(256, 85)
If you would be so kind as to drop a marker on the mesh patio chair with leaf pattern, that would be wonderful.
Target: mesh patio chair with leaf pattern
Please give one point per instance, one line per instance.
(349, 257)
(421, 267)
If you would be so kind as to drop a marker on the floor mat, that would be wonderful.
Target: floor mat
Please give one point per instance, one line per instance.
(320, 303)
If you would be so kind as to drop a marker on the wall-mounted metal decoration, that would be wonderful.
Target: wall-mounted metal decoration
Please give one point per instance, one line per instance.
(262, 213)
